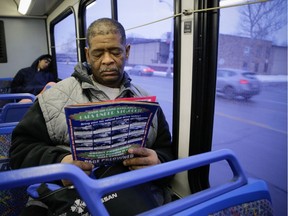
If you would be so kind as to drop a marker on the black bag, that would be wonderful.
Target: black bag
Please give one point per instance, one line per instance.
(67, 201)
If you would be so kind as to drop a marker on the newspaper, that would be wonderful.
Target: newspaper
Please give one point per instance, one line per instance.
(102, 132)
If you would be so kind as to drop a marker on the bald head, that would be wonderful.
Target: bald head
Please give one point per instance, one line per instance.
(105, 26)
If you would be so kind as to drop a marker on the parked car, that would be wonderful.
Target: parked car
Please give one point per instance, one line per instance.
(141, 70)
(232, 83)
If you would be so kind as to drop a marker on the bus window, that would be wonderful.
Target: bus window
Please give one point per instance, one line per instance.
(150, 62)
(251, 102)
(65, 46)
(97, 9)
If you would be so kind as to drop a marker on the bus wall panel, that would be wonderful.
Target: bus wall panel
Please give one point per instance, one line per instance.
(26, 40)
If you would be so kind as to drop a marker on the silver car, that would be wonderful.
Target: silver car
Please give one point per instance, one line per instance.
(141, 70)
(232, 83)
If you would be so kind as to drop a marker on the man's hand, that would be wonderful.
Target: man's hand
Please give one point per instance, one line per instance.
(85, 166)
(143, 157)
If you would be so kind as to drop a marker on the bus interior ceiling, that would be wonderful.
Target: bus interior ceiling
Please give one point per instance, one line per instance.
(39, 8)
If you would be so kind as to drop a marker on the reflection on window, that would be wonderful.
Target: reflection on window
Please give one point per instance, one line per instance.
(151, 47)
(252, 120)
(65, 46)
(97, 9)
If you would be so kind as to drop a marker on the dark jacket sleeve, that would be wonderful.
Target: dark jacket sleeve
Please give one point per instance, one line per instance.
(163, 145)
(19, 84)
(52, 77)
(31, 145)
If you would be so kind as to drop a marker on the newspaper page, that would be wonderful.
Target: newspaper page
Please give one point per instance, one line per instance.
(101, 133)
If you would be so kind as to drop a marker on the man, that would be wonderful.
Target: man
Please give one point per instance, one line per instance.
(42, 136)
(34, 78)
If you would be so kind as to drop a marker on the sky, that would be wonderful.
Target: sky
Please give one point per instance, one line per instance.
(231, 27)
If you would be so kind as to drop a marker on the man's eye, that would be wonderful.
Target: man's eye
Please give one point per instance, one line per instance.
(116, 52)
(98, 54)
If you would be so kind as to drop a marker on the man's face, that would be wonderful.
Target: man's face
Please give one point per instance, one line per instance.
(43, 64)
(107, 57)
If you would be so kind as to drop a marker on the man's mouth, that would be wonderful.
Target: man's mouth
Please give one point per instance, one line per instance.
(109, 71)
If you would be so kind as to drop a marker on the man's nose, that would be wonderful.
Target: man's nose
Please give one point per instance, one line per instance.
(107, 58)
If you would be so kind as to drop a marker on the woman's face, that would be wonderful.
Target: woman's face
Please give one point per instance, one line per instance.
(44, 64)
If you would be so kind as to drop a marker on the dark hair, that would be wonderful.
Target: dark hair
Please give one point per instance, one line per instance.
(46, 56)
(105, 26)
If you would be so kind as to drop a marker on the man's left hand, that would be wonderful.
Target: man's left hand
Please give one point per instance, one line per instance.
(143, 157)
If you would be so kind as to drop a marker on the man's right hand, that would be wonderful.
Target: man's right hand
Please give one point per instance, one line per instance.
(85, 166)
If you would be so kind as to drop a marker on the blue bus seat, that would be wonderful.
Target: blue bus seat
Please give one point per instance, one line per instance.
(5, 88)
(251, 199)
(5, 85)
(11, 200)
(14, 111)
(5, 143)
(238, 191)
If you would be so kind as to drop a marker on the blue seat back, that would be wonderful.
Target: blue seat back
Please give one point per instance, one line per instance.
(14, 111)
(11, 200)
(5, 88)
(5, 85)
(238, 191)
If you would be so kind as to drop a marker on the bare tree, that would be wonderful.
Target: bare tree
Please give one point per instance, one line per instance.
(261, 20)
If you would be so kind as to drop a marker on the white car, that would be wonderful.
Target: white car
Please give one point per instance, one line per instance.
(232, 83)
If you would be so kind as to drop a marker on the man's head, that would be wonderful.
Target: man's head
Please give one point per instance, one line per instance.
(44, 62)
(107, 51)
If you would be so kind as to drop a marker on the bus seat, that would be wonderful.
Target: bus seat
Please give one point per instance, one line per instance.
(237, 192)
(14, 111)
(5, 88)
(5, 85)
(11, 200)
(250, 199)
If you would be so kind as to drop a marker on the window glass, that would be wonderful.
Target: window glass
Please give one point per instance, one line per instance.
(150, 63)
(251, 108)
(97, 9)
(65, 46)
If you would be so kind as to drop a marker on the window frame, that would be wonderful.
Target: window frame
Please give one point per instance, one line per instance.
(205, 49)
(82, 24)
(53, 23)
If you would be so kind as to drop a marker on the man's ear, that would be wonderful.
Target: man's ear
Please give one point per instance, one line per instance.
(127, 51)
